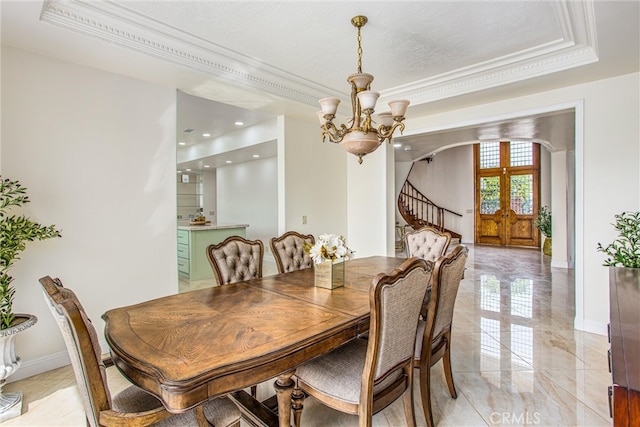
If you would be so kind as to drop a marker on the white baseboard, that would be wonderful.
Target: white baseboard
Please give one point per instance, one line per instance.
(591, 326)
(37, 366)
(560, 264)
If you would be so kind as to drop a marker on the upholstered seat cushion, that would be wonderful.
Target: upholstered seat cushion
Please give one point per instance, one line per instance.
(220, 412)
(339, 372)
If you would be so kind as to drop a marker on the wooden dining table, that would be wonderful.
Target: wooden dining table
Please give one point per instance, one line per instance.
(195, 346)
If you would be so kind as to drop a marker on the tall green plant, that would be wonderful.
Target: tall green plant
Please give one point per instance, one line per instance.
(625, 250)
(15, 232)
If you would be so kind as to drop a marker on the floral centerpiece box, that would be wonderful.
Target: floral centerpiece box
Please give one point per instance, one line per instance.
(328, 255)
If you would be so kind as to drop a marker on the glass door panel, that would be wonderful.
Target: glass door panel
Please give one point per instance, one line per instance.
(489, 194)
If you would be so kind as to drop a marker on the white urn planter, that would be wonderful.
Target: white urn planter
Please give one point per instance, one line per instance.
(11, 403)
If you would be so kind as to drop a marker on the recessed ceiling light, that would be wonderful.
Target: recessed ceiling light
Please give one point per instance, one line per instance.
(397, 145)
(228, 161)
(238, 123)
(207, 166)
(188, 170)
(206, 135)
(255, 156)
(182, 143)
(179, 171)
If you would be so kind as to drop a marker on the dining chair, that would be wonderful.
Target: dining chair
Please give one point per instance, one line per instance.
(433, 340)
(427, 242)
(132, 406)
(288, 251)
(362, 377)
(236, 259)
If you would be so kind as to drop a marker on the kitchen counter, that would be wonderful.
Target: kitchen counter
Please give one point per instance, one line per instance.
(192, 246)
(210, 226)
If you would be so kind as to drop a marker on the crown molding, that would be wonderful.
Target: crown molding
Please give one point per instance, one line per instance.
(115, 24)
(577, 47)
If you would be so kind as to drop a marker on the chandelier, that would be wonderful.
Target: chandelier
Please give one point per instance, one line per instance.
(360, 137)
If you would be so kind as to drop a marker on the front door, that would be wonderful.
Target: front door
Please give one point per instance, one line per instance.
(507, 193)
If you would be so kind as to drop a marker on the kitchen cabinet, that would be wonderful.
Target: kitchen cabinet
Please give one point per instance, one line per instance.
(192, 243)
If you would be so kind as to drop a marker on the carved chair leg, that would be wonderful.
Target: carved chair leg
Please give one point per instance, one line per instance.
(446, 363)
(297, 404)
(409, 411)
(425, 390)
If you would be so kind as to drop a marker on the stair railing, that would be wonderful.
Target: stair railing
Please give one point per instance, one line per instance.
(418, 211)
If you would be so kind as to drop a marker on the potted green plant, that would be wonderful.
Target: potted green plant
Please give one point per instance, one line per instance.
(543, 223)
(625, 250)
(15, 232)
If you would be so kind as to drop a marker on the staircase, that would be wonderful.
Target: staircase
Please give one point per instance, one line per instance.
(418, 211)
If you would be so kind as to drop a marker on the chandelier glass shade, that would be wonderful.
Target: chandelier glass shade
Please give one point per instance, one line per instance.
(360, 136)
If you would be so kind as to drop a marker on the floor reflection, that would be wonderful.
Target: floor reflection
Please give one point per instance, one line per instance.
(531, 361)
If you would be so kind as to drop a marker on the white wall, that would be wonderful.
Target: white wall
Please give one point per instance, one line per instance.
(547, 177)
(371, 204)
(273, 195)
(312, 180)
(97, 153)
(560, 204)
(607, 173)
(210, 196)
(247, 194)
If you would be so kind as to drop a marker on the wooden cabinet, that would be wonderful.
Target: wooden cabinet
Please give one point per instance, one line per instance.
(192, 243)
(624, 337)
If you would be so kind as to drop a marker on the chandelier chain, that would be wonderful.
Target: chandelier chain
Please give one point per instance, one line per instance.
(359, 51)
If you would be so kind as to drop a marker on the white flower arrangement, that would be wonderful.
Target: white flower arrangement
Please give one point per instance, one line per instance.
(328, 247)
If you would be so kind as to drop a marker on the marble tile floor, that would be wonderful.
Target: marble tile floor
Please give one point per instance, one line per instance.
(516, 358)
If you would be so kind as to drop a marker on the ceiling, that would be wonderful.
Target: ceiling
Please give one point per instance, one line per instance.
(253, 60)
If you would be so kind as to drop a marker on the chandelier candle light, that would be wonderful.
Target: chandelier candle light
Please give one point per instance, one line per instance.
(361, 137)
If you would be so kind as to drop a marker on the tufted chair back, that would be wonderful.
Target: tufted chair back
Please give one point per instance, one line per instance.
(236, 259)
(288, 251)
(427, 243)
